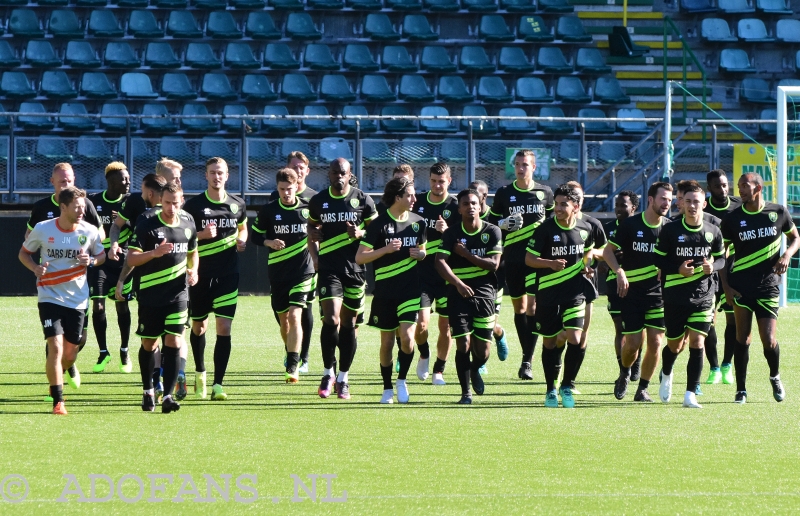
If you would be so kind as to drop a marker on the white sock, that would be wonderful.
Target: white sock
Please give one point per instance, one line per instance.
(342, 376)
(123, 350)
(328, 372)
(777, 377)
(150, 392)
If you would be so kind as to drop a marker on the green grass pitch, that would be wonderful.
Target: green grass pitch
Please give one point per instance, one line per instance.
(506, 454)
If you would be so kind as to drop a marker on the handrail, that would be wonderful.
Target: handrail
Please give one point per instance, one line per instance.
(670, 29)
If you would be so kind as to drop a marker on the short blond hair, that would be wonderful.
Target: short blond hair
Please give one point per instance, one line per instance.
(115, 166)
(575, 185)
(62, 166)
(165, 163)
(216, 161)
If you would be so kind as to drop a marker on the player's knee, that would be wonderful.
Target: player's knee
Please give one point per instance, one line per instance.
(199, 327)
(123, 308)
(331, 320)
(224, 324)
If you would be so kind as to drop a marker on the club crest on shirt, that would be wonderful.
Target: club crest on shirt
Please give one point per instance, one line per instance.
(187, 232)
(354, 203)
(234, 208)
(304, 213)
(709, 237)
(415, 226)
(81, 239)
(584, 234)
(323, 290)
(446, 214)
(540, 195)
(141, 328)
(773, 216)
(374, 319)
(485, 237)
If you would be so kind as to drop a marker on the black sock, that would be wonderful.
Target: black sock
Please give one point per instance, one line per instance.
(292, 359)
(558, 364)
(329, 341)
(147, 362)
(170, 363)
(533, 336)
(307, 323)
(438, 366)
(386, 374)
(100, 325)
(198, 343)
(57, 393)
(619, 364)
(711, 348)
(578, 364)
(571, 359)
(773, 356)
(181, 365)
(730, 343)
(549, 359)
(424, 350)
(521, 324)
(462, 368)
(476, 364)
(222, 354)
(694, 368)
(124, 323)
(405, 364)
(637, 364)
(643, 384)
(667, 360)
(741, 357)
(156, 376)
(347, 347)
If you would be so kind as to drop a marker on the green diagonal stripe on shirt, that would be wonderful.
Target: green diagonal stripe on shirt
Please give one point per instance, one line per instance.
(163, 276)
(560, 276)
(678, 279)
(523, 234)
(218, 246)
(745, 262)
(394, 269)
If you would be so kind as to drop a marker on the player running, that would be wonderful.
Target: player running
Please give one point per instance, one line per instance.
(69, 245)
(395, 243)
(341, 213)
(754, 230)
(164, 247)
(688, 252)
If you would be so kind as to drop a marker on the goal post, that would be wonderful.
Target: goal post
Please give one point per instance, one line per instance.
(785, 94)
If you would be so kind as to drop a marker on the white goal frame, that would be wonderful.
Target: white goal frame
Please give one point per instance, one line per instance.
(784, 93)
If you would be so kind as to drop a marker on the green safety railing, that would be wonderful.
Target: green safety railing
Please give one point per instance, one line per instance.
(687, 58)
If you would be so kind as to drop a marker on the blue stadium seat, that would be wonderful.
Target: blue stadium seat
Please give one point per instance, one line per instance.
(358, 58)
(474, 59)
(177, 86)
(200, 125)
(24, 23)
(287, 5)
(278, 125)
(555, 6)
(735, 60)
(452, 89)
(493, 28)
(374, 88)
(64, 24)
(590, 60)
(114, 123)
(534, 29)
(514, 60)
(768, 129)
(278, 56)
(350, 125)
(74, 123)
(441, 5)
(80, 54)
(532, 89)
(52, 148)
(480, 6)
(103, 24)
(570, 29)
(57, 3)
(8, 57)
(365, 5)
(221, 25)
(216, 86)
(95, 85)
(335, 88)
(36, 123)
(257, 87)
(552, 60)
(214, 146)
(56, 85)
(436, 59)
(16, 85)
(240, 56)
(137, 85)
(211, 4)
(481, 126)
(235, 124)
(93, 147)
(413, 88)
(142, 24)
(697, 6)
(736, 6)
(396, 59)
(716, 30)
(607, 90)
(515, 126)
(401, 125)
(631, 127)
(325, 4)
(492, 89)
(555, 127)
(753, 30)
(181, 24)
(171, 4)
(119, 54)
(569, 151)
(620, 44)
(756, 90)
(320, 125)
(135, 4)
(436, 126)
(788, 30)
(201, 55)
(571, 89)
(332, 148)
(774, 7)
(161, 124)
(160, 55)
(41, 54)
(379, 27)
(417, 28)
(261, 26)
(518, 6)
(259, 151)
(175, 147)
(318, 56)
(596, 127)
(404, 5)
(300, 26)
(295, 88)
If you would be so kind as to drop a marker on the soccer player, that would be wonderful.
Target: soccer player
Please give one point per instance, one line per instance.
(688, 252)
(221, 223)
(341, 213)
(103, 279)
(467, 259)
(436, 207)
(754, 230)
(401, 170)
(395, 243)
(69, 245)
(638, 287)
(561, 250)
(281, 227)
(720, 204)
(533, 201)
(164, 247)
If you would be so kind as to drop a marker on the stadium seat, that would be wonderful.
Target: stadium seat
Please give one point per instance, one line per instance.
(24, 23)
(295, 88)
(756, 90)
(41, 54)
(379, 27)
(620, 44)
(286, 5)
(789, 82)
(200, 55)
(404, 5)
(320, 125)
(16, 85)
(735, 60)
(534, 29)
(8, 58)
(753, 30)
(441, 5)
(36, 123)
(569, 151)
(374, 88)
(436, 59)
(396, 59)
(301, 27)
(93, 147)
(240, 56)
(64, 24)
(514, 60)
(358, 58)
(788, 30)
(436, 126)
(518, 6)
(551, 60)
(211, 4)
(135, 4)
(631, 127)
(181, 24)
(80, 54)
(90, 3)
(474, 59)
(199, 125)
(716, 30)
(365, 5)
(260, 151)
(774, 7)
(768, 129)
(137, 85)
(52, 148)
(607, 90)
(278, 56)
(161, 124)
(74, 123)
(697, 6)
(103, 24)
(532, 89)
(95, 85)
(216, 86)
(735, 6)
(325, 4)
(452, 89)
(480, 6)
(177, 86)
(515, 126)
(368, 126)
(335, 88)
(493, 28)
(590, 60)
(482, 126)
(235, 124)
(332, 148)
(417, 28)
(571, 90)
(160, 55)
(555, 6)
(596, 127)
(119, 54)
(221, 25)
(171, 4)
(491, 89)
(278, 125)
(555, 127)
(570, 29)
(214, 146)
(611, 152)
(56, 3)
(402, 125)
(175, 147)
(56, 85)
(318, 56)
(260, 26)
(114, 123)
(142, 24)
(257, 87)
(413, 88)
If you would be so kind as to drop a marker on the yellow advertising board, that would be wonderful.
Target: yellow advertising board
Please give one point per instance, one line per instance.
(749, 157)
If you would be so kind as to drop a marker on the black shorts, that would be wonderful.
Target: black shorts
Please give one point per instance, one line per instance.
(520, 280)
(638, 313)
(103, 283)
(498, 301)
(763, 305)
(339, 286)
(471, 316)
(296, 293)
(433, 295)
(550, 319)
(60, 320)
(685, 316)
(155, 321)
(721, 302)
(614, 301)
(590, 288)
(214, 294)
(387, 314)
